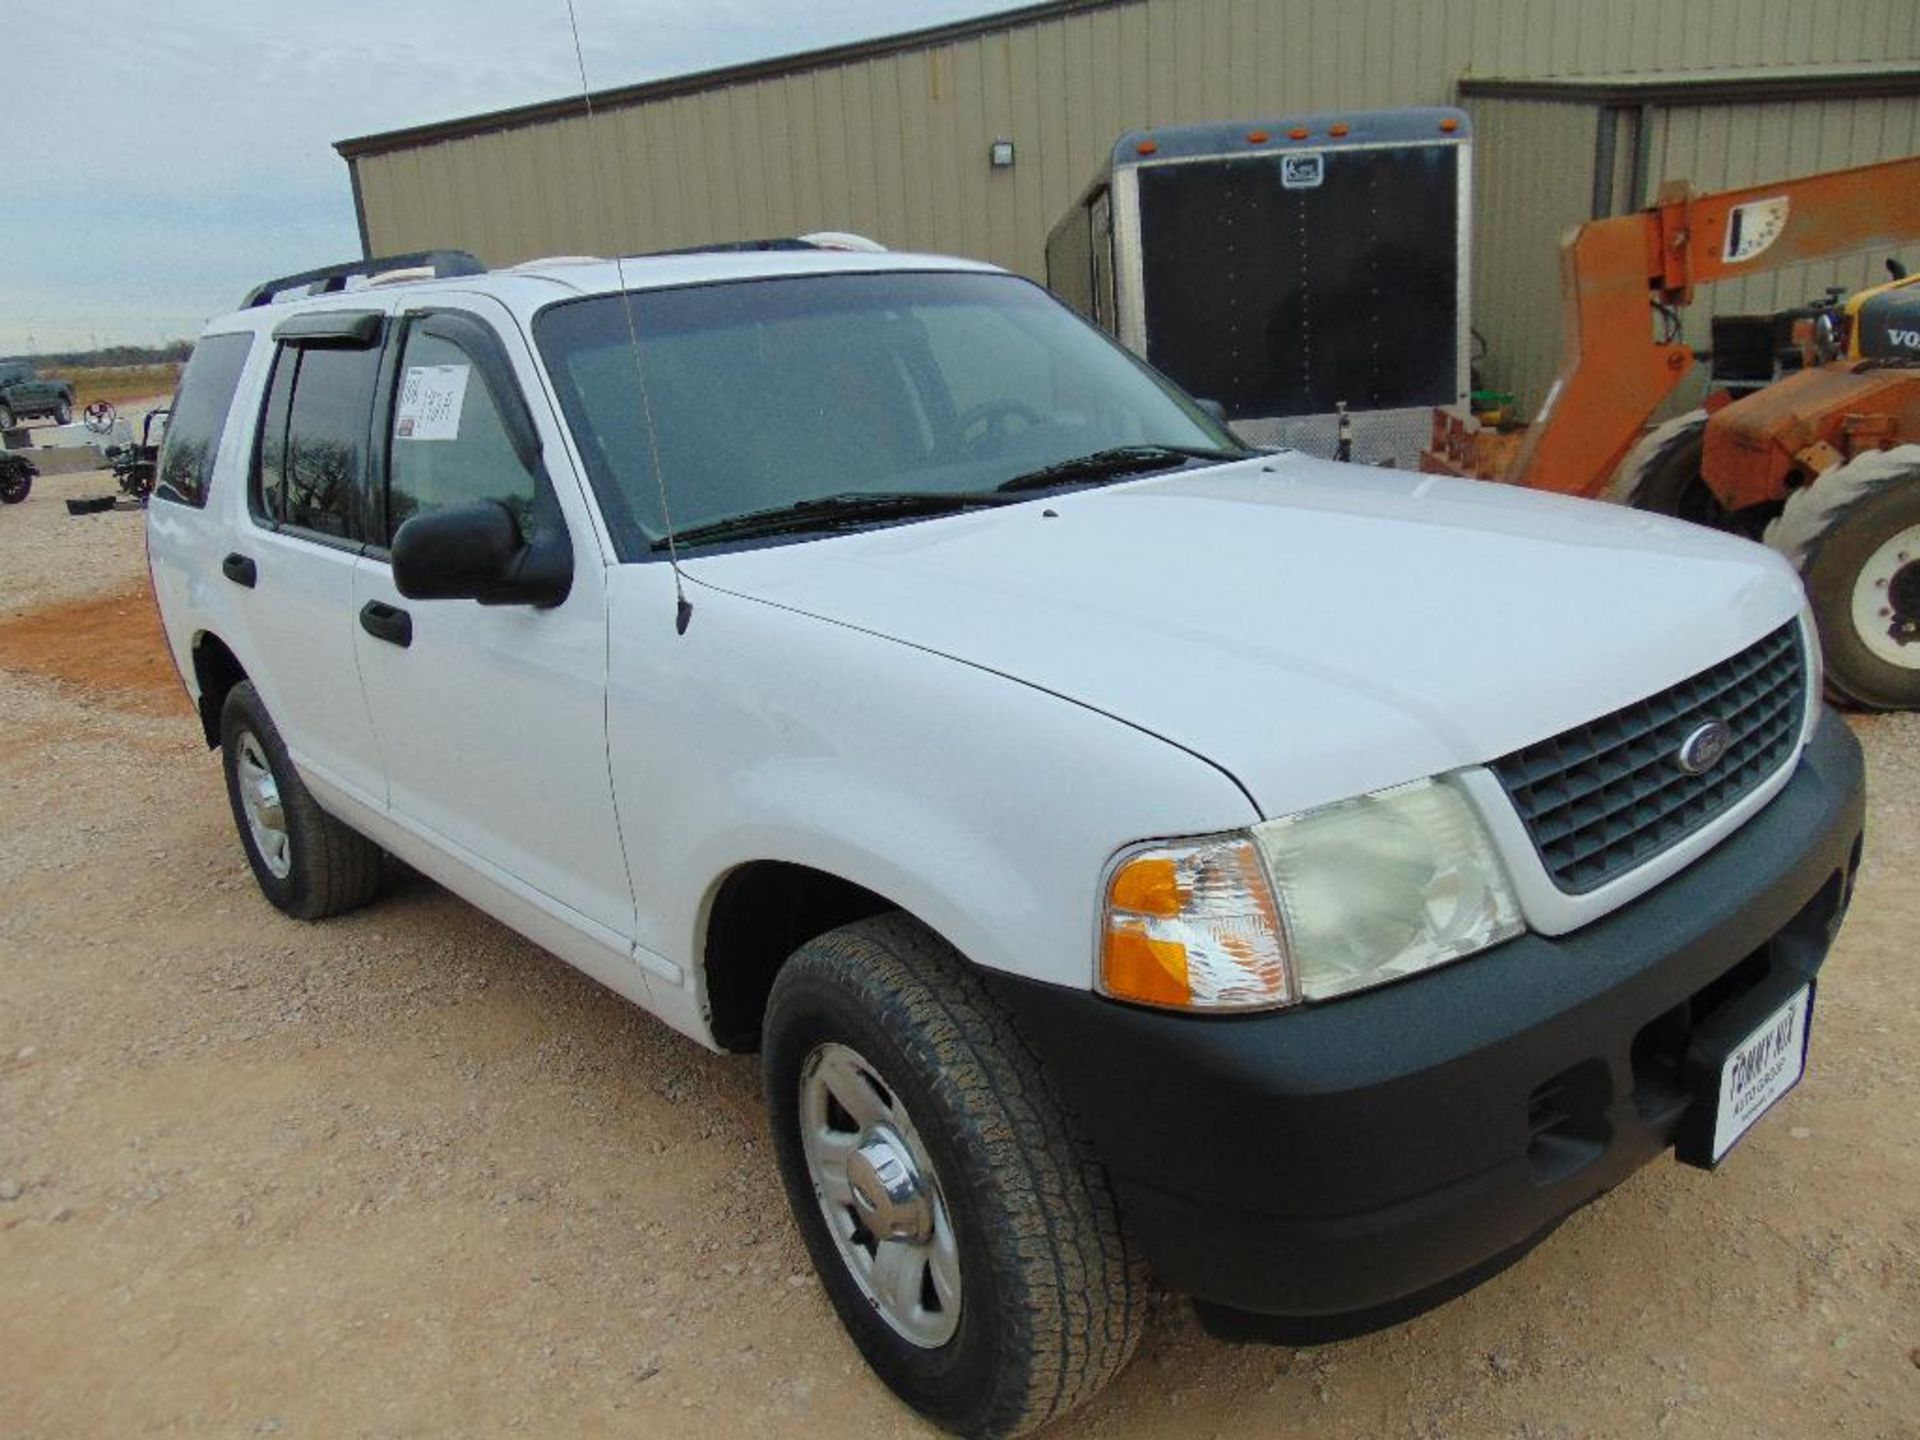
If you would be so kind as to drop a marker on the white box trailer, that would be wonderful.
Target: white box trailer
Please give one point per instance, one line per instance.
(1285, 268)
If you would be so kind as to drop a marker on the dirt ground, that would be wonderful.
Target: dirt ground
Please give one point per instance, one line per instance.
(403, 1174)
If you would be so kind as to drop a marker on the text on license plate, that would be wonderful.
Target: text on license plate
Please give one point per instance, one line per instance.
(1761, 1069)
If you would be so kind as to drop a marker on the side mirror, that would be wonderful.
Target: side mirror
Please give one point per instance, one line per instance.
(475, 552)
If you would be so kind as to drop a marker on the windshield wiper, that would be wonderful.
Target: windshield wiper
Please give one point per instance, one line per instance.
(1114, 463)
(825, 512)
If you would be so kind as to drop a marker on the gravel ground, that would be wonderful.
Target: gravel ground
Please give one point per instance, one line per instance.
(403, 1174)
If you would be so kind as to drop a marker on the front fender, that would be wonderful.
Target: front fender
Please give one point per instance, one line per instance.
(867, 830)
(984, 806)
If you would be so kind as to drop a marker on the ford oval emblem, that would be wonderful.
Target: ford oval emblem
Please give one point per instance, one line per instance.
(1703, 747)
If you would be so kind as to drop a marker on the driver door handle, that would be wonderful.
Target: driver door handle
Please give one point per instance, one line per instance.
(241, 570)
(387, 622)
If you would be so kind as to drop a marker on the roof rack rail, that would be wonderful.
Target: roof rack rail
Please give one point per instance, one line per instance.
(331, 278)
(817, 240)
(732, 247)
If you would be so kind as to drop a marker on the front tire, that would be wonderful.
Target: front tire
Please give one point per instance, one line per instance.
(7, 418)
(308, 864)
(63, 413)
(1854, 536)
(966, 1237)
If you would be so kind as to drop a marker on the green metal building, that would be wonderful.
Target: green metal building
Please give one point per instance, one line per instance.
(1581, 107)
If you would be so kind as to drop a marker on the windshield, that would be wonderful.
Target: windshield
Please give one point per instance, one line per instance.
(767, 393)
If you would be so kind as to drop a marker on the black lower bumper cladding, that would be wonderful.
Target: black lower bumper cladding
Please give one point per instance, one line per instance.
(1320, 1172)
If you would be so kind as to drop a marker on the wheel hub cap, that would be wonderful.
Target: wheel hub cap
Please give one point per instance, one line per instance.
(260, 802)
(880, 1195)
(887, 1191)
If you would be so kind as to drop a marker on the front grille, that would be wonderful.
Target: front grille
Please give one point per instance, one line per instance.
(1603, 798)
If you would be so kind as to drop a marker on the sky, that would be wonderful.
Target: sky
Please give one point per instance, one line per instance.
(162, 161)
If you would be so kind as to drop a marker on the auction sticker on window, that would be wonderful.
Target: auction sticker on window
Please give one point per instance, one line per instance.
(431, 398)
(1762, 1068)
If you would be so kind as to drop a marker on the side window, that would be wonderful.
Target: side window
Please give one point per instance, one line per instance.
(311, 468)
(448, 444)
(200, 417)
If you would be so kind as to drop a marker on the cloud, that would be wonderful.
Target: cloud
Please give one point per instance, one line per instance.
(178, 158)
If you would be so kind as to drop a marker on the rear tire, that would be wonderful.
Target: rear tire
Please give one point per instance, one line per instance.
(309, 864)
(1854, 536)
(7, 418)
(1662, 474)
(63, 413)
(1039, 1300)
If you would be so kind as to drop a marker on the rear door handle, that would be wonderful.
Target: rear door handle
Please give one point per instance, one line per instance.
(386, 622)
(241, 570)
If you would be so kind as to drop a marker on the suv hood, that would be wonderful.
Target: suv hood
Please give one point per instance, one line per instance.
(1315, 630)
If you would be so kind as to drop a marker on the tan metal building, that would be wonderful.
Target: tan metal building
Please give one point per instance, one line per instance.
(1581, 106)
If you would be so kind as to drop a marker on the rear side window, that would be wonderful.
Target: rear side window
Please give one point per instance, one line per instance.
(311, 469)
(200, 417)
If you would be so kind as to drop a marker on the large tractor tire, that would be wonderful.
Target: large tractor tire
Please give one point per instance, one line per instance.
(1662, 474)
(1854, 536)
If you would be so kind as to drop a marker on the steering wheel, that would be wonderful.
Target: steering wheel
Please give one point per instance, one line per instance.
(100, 416)
(985, 427)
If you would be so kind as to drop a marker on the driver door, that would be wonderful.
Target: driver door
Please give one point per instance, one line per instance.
(491, 719)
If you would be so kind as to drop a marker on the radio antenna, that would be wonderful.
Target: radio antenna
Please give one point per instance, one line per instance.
(683, 607)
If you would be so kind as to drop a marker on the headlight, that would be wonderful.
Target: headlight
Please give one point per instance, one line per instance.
(1306, 907)
(1386, 885)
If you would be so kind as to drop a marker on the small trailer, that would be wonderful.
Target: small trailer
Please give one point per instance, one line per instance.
(1286, 269)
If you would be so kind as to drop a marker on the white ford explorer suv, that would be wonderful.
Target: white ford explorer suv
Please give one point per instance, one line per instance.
(1132, 855)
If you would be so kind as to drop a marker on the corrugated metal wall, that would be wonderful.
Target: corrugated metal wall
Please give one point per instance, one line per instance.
(896, 146)
(1533, 165)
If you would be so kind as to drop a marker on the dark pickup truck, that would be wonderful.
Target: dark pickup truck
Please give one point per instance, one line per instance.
(25, 396)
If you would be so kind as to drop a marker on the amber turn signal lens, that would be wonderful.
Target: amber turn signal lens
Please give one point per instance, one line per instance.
(1138, 967)
(1337, 131)
(1193, 925)
(1145, 147)
(1299, 132)
(1148, 886)
(1449, 125)
(1256, 137)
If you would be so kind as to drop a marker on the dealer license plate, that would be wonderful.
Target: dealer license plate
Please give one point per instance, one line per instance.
(1762, 1068)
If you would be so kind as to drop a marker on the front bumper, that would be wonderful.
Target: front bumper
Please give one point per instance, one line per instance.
(1343, 1166)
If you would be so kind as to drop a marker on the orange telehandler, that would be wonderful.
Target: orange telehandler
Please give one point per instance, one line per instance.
(1812, 441)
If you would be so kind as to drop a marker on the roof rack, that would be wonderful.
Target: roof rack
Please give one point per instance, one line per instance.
(818, 240)
(729, 247)
(330, 278)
